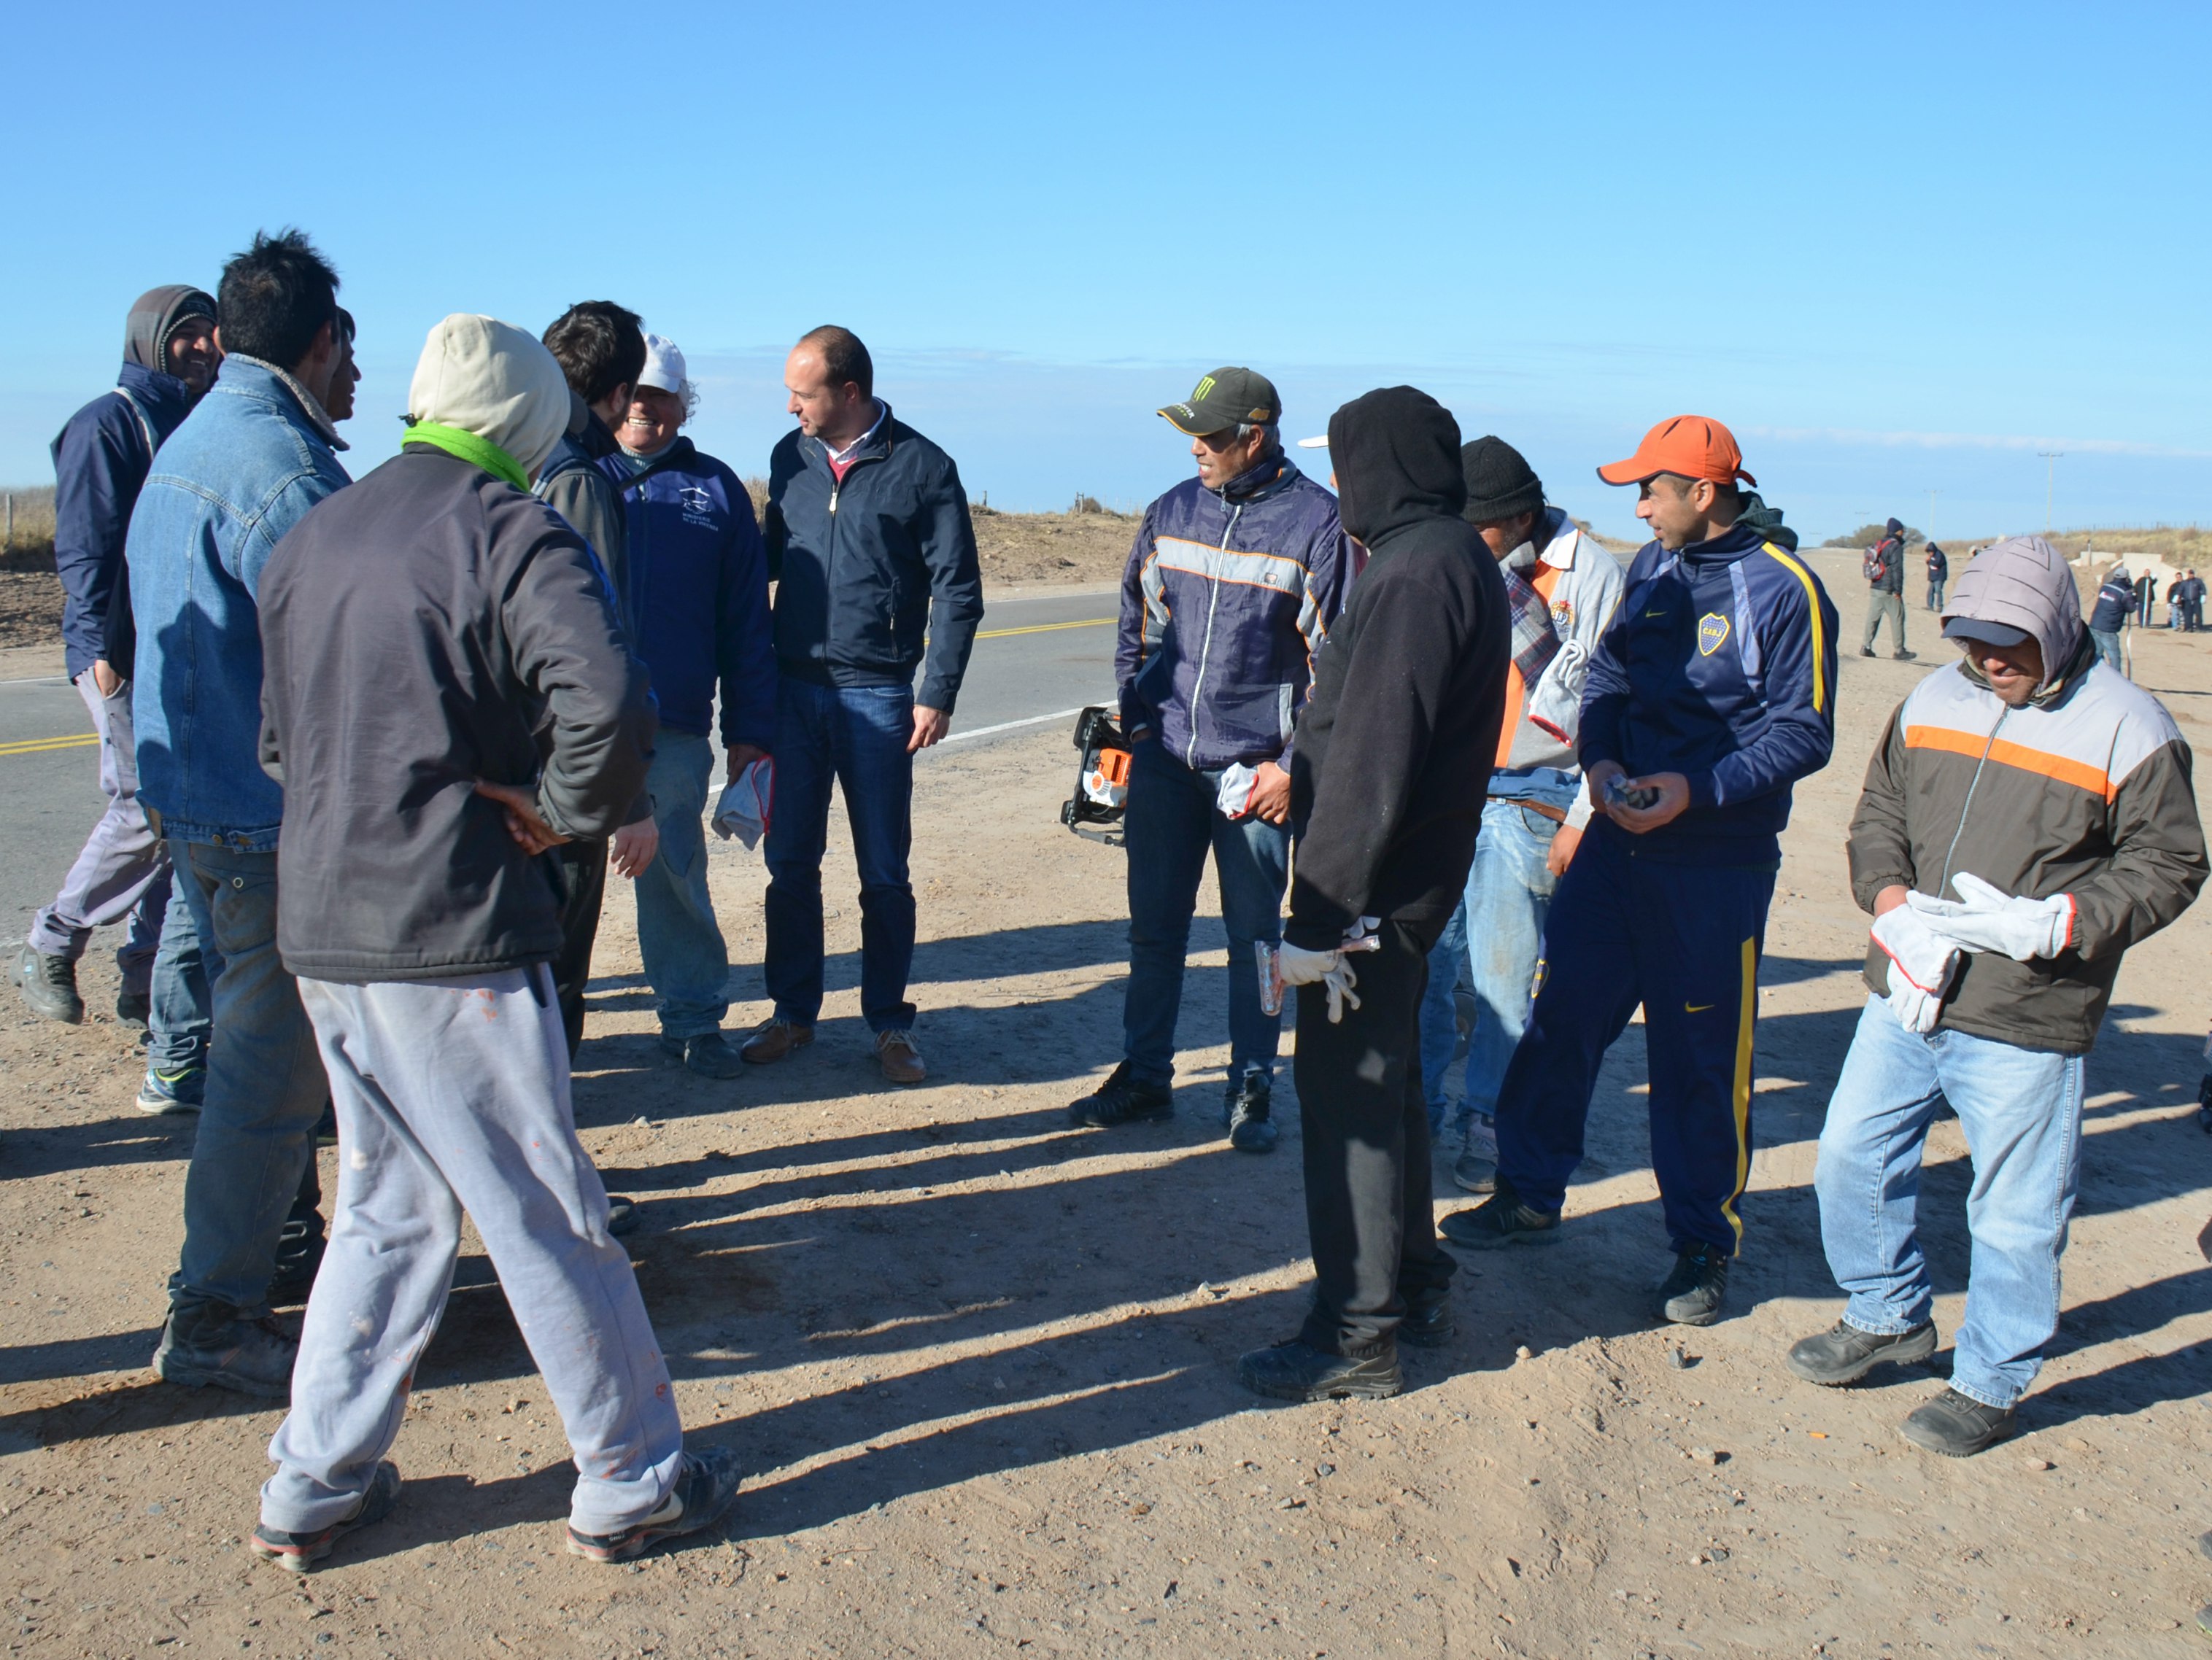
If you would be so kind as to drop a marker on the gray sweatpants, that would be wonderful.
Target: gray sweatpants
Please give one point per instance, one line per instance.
(451, 1094)
(123, 870)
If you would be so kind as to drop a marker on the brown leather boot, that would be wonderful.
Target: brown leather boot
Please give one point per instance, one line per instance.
(902, 1061)
(773, 1039)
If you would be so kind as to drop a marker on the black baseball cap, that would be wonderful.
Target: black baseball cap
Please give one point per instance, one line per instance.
(1990, 633)
(1224, 398)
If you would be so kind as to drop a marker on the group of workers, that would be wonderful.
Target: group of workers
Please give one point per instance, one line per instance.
(431, 710)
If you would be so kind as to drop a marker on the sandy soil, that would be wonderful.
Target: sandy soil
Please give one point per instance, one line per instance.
(978, 1366)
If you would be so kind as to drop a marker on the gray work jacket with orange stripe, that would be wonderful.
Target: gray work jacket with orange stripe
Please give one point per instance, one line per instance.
(2085, 791)
(1226, 597)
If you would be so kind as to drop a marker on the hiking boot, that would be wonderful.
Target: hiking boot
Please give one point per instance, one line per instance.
(1500, 1220)
(900, 1059)
(249, 1356)
(1297, 1371)
(1958, 1426)
(1428, 1323)
(1692, 1295)
(1123, 1099)
(49, 985)
(707, 1053)
(1246, 1113)
(773, 1039)
(706, 1486)
(1475, 1170)
(299, 1551)
(1844, 1353)
(134, 1008)
(622, 1216)
(181, 1091)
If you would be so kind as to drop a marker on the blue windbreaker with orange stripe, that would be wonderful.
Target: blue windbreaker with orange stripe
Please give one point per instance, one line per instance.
(1720, 665)
(1226, 597)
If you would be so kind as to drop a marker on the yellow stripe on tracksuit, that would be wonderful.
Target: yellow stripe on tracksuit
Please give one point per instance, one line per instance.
(1742, 1093)
(1812, 607)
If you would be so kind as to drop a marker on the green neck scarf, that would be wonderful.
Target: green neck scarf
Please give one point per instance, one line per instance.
(476, 452)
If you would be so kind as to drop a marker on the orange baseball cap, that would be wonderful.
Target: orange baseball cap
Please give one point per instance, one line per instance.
(1691, 446)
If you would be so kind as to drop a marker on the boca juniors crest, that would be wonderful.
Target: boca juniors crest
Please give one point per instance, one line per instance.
(1712, 633)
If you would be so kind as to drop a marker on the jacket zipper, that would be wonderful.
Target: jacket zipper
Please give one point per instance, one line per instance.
(1206, 648)
(830, 558)
(1988, 744)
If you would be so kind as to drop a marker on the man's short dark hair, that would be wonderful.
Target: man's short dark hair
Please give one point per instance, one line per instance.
(276, 297)
(843, 357)
(1725, 496)
(600, 347)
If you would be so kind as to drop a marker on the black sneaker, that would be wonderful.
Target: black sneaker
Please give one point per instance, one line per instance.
(1428, 1323)
(1122, 1099)
(134, 1008)
(181, 1091)
(299, 1551)
(251, 1357)
(1297, 1371)
(622, 1216)
(1500, 1220)
(1246, 1113)
(49, 985)
(1903, 657)
(1475, 1170)
(708, 1054)
(1866, 651)
(1958, 1426)
(1844, 1353)
(1692, 1295)
(705, 1488)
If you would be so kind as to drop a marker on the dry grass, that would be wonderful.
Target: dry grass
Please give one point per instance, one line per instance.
(31, 545)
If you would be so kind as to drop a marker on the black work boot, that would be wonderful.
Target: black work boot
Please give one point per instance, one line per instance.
(1428, 1323)
(1246, 1113)
(1124, 1100)
(1844, 1353)
(1958, 1426)
(1297, 1371)
(49, 985)
(1500, 1220)
(1692, 1295)
(134, 1008)
(210, 1344)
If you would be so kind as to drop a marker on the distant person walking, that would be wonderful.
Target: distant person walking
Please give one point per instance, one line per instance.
(1230, 588)
(2007, 878)
(101, 460)
(2115, 604)
(419, 919)
(1938, 574)
(869, 537)
(254, 455)
(1883, 567)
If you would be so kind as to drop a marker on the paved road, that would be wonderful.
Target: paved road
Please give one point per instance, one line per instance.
(1034, 656)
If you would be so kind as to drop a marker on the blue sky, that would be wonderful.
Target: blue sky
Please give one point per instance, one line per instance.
(1898, 248)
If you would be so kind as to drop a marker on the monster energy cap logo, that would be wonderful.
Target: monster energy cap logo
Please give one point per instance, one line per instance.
(1222, 399)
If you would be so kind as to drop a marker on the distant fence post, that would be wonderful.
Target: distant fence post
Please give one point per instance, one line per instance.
(10, 542)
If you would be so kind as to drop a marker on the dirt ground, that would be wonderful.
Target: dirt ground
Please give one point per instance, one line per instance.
(979, 1365)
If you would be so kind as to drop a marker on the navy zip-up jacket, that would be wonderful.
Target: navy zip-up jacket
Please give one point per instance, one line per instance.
(101, 460)
(1720, 665)
(696, 597)
(868, 567)
(1226, 597)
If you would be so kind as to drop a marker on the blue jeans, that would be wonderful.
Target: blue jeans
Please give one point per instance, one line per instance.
(2021, 1111)
(856, 736)
(1171, 823)
(1440, 1016)
(184, 969)
(2108, 646)
(265, 1089)
(686, 962)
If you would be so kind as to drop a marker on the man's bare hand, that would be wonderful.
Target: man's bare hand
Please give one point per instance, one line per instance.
(106, 678)
(531, 833)
(1561, 853)
(1594, 782)
(633, 847)
(1674, 798)
(743, 755)
(1271, 793)
(1889, 899)
(929, 726)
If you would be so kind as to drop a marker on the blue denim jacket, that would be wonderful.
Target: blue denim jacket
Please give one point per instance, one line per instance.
(244, 468)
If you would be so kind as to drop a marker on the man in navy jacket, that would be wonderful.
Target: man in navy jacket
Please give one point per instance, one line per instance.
(1231, 586)
(101, 458)
(869, 541)
(1711, 695)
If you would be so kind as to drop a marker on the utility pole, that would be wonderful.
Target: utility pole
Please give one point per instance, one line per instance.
(2051, 459)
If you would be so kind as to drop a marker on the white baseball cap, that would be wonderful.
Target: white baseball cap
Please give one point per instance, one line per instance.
(663, 365)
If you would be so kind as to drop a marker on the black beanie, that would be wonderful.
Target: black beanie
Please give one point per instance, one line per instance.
(1499, 483)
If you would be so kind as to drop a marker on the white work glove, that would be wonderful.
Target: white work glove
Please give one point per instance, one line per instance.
(1987, 918)
(1921, 964)
(1300, 966)
(1360, 936)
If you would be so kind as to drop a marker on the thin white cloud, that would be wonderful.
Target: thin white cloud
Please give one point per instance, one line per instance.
(2114, 446)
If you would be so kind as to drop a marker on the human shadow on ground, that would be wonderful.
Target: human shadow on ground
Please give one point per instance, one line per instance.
(55, 1149)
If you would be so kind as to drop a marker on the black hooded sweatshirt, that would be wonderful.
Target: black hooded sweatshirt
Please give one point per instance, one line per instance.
(1395, 746)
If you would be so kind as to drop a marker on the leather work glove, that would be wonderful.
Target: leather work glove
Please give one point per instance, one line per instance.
(1921, 964)
(1986, 918)
(1300, 966)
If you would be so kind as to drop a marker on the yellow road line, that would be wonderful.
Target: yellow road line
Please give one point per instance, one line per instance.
(41, 746)
(1044, 627)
